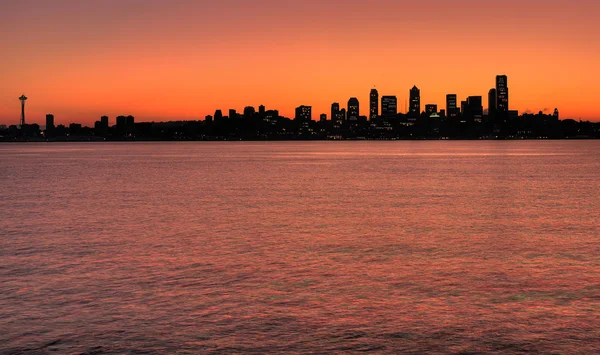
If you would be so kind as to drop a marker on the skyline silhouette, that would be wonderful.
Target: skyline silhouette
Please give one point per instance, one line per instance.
(181, 60)
(388, 105)
(382, 121)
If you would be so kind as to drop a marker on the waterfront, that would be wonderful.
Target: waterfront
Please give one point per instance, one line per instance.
(440, 247)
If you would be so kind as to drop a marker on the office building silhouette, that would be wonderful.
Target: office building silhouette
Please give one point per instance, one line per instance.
(303, 113)
(353, 109)
(389, 107)
(451, 106)
(415, 102)
(373, 105)
(492, 104)
(502, 103)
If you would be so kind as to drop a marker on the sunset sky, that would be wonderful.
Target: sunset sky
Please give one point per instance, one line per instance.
(182, 59)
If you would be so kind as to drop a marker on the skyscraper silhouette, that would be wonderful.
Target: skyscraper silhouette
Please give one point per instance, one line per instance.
(451, 106)
(303, 113)
(49, 125)
(474, 108)
(492, 104)
(218, 115)
(415, 102)
(335, 109)
(353, 109)
(49, 121)
(502, 94)
(389, 106)
(232, 114)
(374, 104)
(249, 111)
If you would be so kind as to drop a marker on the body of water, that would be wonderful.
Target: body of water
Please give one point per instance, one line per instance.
(310, 247)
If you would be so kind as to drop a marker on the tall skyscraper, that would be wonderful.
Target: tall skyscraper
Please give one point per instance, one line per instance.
(323, 117)
(335, 109)
(303, 113)
(218, 115)
(353, 109)
(374, 105)
(492, 104)
(502, 94)
(415, 102)
(389, 106)
(49, 125)
(104, 121)
(49, 122)
(451, 106)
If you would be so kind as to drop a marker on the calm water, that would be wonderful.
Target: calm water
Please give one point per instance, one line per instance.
(383, 247)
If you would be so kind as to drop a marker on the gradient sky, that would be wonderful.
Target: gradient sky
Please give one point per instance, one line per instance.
(182, 59)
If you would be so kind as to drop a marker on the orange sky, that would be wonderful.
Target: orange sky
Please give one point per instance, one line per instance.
(160, 60)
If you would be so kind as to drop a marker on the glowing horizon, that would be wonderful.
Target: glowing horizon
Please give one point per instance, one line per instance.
(183, 60)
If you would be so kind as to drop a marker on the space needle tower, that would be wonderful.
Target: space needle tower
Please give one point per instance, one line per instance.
(23, 98)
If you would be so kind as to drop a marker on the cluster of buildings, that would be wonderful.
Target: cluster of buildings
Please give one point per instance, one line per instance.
(466, 119)
(386, 107)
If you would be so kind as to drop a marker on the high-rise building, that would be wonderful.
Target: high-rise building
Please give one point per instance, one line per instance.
(353, 109)
(49, 121)
(389, 106)
(555, 115)
(492, 104)
(415, 102)
(335, 109)
(49, 125)
(261, 110)
(431, 109)
(218, 115)
(303, 113)
(474, 107)
(101, 127)
(323, 117)
(502, 94)
(451, 106)
(249, 111)
(232, 113)
(374, 105)
(121, 122)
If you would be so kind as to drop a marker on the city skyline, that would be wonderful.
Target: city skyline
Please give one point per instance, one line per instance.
(470, 120)
(162, 61)
(378, 106)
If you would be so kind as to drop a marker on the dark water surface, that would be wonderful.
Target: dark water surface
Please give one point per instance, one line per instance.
(383, 247)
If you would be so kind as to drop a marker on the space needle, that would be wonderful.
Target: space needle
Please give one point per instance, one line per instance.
(23, 98)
